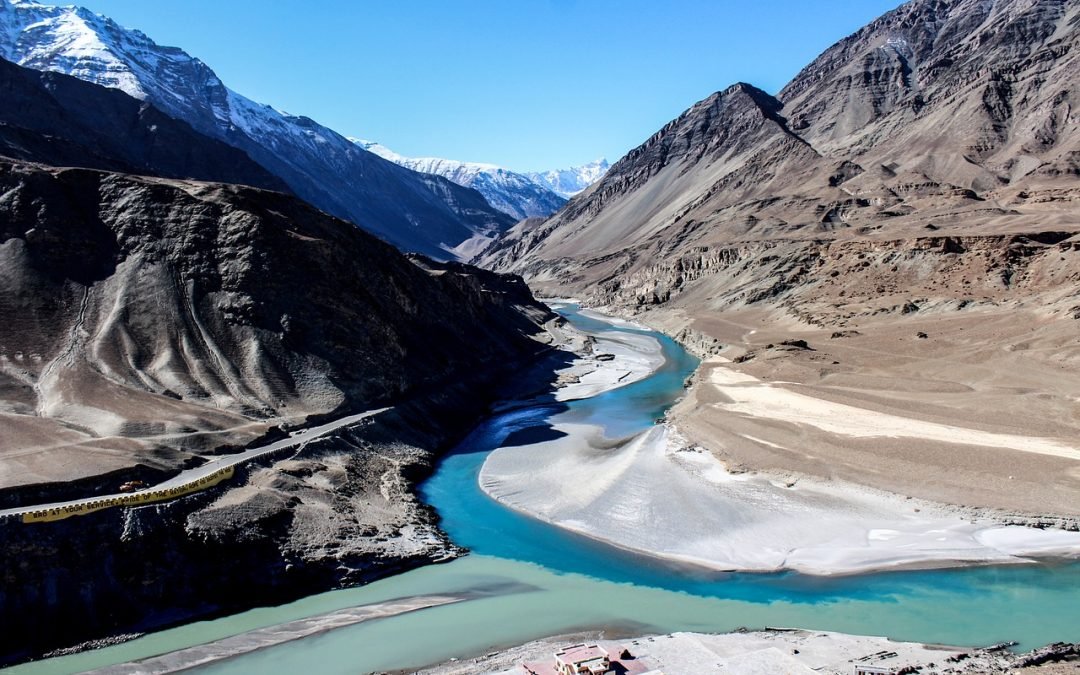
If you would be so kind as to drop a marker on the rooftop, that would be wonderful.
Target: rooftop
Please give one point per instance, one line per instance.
(579, 654)
(590, 658)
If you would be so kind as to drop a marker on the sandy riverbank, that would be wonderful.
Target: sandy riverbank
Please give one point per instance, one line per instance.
(654, 494)
(615, 360)
(793, 652)
(212, 652)
(604, 360)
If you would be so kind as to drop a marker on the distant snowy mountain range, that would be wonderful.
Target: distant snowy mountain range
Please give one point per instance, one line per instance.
(415, 211)
(522, 195)
(568, 182)
(512, 193)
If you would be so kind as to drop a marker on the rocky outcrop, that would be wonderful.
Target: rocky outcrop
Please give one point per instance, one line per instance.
(836, 282)
(978, 94)
(338, 512)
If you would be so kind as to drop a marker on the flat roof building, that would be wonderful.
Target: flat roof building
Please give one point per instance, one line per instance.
(586, 659)
(583, 660)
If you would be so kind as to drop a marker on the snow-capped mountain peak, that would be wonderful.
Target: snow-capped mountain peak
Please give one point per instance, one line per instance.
(378, 149)
(512, 193)
(92, 47)
(78, 42)
(443, 164)
(569, 182)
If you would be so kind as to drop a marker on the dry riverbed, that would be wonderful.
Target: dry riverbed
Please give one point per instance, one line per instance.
(978, 408)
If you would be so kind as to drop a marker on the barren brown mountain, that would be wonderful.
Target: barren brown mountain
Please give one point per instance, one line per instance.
(904, 214)
(151, 323)
(149, 319)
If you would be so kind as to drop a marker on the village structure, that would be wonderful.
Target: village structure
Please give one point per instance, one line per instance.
(594, 659)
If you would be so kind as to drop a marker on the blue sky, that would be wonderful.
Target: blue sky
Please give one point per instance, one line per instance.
(528, 84)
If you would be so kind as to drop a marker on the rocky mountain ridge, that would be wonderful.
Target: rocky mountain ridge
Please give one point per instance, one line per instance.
(139, 307)
(63, 121)
(416, 212)
(941, 119)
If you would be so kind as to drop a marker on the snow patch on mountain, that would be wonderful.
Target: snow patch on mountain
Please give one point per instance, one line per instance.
(512, 193)
(33, 35)
(569, 182)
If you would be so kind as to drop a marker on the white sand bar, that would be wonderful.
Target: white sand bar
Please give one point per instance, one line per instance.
(776, 651)
(651, 496)
(635, 358)
(613, 320)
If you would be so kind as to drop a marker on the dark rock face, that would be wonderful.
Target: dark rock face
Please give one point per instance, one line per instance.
(228, 298)
(151, 321)
(983, 89)
(415, 212)
(147, 321)
(338, 513)
(63, 121)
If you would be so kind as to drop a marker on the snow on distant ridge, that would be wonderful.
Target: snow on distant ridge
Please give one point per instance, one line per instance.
(569, 182)
(416, 212)
(512, 193)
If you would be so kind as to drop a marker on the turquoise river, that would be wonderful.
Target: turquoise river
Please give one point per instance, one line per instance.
(548, 581)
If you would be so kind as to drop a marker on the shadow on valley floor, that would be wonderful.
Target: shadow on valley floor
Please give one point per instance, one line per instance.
(531, 436)
(529, 403)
